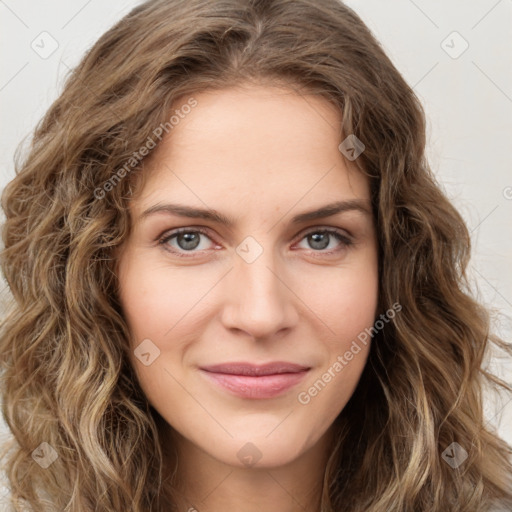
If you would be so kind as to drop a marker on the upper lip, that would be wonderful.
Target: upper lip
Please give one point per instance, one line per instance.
(241, 368)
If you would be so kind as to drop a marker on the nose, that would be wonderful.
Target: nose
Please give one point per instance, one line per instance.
(259, 301)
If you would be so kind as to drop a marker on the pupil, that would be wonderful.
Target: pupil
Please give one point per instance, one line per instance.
(191, 240)
(319, 240)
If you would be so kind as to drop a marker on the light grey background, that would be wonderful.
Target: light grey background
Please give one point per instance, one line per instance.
(467, 97)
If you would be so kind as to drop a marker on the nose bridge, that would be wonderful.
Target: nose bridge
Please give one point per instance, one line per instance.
(258, 301)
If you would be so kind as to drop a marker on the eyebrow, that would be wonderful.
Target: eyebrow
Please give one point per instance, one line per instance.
(215, 216)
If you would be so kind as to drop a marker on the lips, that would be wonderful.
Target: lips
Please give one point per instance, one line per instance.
(255, 370)
(251, 381)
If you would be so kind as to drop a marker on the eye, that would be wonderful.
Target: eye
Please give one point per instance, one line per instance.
(192, 240)
(320, 239)
(185, 240)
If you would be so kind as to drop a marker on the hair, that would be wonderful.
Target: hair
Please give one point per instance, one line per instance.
(66, 376)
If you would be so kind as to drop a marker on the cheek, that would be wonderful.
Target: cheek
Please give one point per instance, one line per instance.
(350, 312)
(327, 393)
(168, 308)
(157, 300)
(160, 306)
(346, 306)
(354, 306)
(343, 299)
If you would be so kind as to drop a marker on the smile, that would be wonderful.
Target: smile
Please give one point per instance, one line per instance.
(256, 382)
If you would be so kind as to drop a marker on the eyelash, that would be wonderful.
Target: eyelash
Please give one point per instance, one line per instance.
(344, 239)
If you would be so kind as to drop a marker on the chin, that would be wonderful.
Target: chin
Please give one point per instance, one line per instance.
(259, 451)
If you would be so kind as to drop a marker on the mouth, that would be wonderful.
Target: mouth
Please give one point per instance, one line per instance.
(251, 381)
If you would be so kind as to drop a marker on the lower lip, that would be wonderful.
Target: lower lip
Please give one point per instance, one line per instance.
(264, 386)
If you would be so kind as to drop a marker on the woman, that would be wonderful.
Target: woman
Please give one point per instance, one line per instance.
(237, 284)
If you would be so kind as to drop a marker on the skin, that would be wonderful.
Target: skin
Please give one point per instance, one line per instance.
(259, 155)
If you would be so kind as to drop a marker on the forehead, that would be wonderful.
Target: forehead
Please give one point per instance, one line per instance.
(253, 145)
(276, 119)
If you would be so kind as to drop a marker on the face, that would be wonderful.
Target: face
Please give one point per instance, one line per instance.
(243, 303)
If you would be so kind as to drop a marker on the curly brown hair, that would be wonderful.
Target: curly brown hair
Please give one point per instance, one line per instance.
(66, 376)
